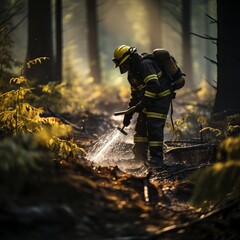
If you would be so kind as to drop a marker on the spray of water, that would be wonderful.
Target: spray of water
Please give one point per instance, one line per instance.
(112, 149)
(106, 150)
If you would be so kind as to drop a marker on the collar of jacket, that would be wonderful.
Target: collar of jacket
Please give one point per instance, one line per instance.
(135, 61)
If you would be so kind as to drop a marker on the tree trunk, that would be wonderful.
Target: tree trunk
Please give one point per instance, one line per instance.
(40, 40)
(228, 52)
(155, 13)
(58, 67)
(93, 49)
(186, 43)
(208, 48)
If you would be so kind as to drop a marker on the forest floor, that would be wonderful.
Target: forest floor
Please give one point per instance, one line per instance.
(73, 200)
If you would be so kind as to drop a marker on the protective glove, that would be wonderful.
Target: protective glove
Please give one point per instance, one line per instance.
(127, 119)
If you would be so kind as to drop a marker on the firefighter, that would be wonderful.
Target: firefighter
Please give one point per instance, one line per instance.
(151, 95)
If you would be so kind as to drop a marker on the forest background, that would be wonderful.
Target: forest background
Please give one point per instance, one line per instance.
(144, 24)
(56, 57)
(56, 65)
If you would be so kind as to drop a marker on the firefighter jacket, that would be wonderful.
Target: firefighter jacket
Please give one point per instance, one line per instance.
(147, 82)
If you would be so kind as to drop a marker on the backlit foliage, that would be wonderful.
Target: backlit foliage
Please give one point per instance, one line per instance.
(229, 149)
(187, 125)
(193, 108)
(18, 116)
(35, 61)
(64, 97)
(79, 95)
(206, 94)
(211, 133)
(222, 128)
(215, 182)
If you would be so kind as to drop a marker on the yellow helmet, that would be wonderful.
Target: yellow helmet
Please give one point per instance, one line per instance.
(122, 53)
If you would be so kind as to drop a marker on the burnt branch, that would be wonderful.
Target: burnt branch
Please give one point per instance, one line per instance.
(17, 24)
(11, 12)
(210, 60)
(204, 37)
(211, 19)
(214, 87)
(65, 121)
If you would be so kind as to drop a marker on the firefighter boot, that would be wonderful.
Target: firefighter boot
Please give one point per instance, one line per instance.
(136, 164)
(140, 151)
(156, 159)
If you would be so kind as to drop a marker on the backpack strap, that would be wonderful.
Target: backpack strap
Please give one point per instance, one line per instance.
(171, 109)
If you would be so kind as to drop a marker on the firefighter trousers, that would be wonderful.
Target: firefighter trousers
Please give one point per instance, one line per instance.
(149, 130)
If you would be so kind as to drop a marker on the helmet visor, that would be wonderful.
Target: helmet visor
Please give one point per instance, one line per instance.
(121, 60)
(124, 67)
(116, 61)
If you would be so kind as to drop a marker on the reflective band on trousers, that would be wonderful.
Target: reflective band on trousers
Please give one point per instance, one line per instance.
(156, 115)
(140, 139)
(155, 143)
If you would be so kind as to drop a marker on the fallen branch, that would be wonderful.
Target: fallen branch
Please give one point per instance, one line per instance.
(189, 148)
(66, 121)
(172, 228)
(186, 170)
(175, 228)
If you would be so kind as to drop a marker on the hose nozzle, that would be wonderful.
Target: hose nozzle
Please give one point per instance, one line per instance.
(122, 130)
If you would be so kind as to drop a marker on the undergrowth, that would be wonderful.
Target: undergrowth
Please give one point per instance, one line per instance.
(18, 117)
(221, 181)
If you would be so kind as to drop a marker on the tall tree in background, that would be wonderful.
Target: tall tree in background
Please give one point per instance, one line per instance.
(208, 49)
(181, 12)
(186, 41)
(6, 43)
(9, 10)
(228, 52)
(155, 13)
(93, 49)
(40, 40)
(59, 41)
